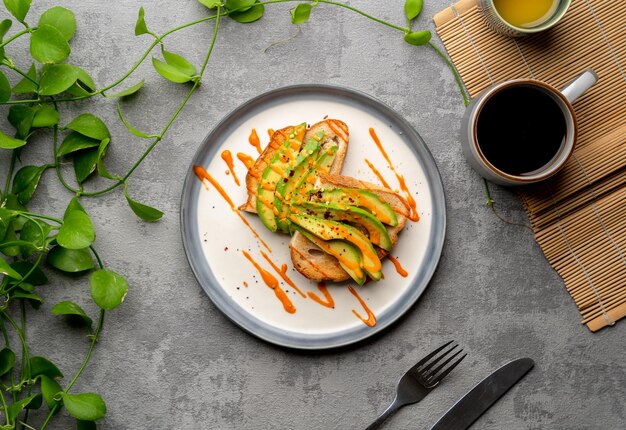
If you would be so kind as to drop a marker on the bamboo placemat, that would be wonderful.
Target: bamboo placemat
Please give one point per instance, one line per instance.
(578, 216)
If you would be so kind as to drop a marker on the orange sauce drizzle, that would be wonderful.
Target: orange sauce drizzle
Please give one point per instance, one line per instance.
(249, 163)
(398, 266)
(371, 318)
(272, 282)
(228, 158)
(282, 271)
(245, 284)
(270, 132)
(329, 302)
(255, 141)
(377, 173)
(203, 175)
(413, 216)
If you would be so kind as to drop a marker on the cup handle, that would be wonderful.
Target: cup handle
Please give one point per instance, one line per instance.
(579, 85)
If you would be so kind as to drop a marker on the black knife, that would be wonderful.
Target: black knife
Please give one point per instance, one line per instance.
(480, 398)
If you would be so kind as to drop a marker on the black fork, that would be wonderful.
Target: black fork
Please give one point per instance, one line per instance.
(422, 378)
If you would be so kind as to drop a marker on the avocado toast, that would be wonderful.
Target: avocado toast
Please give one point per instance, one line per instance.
(342, 227)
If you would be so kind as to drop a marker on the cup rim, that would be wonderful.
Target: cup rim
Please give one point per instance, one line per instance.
(565, 4)
(567, 148)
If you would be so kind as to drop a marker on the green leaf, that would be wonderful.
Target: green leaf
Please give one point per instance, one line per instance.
(26, 86)
(89, 125)
(34, 299)
(24, 286)
(25, 182)
(18, 8)
(48, 45)
(84, 85)
(301, 13)
(5, 88)
(211, 4)
(32, 402)
(169, 72)
(49, 388)
(102, 171)
(7, 142)
(130, 127)
(253, 14)
(412, 8)
(11, 236)
(85, 164)
(57, 78)
(70, 260)
(11, 202)
(417, 38)
(60, 18)
(5, 220)
(77, 231)
(144, 212)
(5, 25)
(43, 366)
(72, 309)
(45, 116)
(108, 289)
(7, 360)
(37, 277)
(239, 5)
(5, 269)
(128, 91)
(85, 406)
(74, 205)
(140, 26)
(75, 142)
(179, 62)
(21, 117)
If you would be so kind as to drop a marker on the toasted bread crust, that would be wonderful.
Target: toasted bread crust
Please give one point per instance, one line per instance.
(314, 263)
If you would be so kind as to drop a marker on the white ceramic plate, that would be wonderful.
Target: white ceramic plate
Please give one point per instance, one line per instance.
(214, 236)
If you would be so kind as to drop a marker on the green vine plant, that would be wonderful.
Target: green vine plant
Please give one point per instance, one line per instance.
(33, 243)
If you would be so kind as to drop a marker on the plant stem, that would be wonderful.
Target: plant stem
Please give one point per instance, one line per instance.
(5, 335)
(16, 35)
(20, 72)
(5, 409)
(34, 215)
(172, 119)
(57, 164)
(7, 185)
(26, 371)
(93, 250)
(457, 77)
(80, 370)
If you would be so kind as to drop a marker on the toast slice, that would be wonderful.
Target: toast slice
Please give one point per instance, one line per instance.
(314, 263)
(335, 132)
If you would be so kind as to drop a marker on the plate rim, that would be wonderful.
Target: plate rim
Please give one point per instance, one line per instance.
(439, 210)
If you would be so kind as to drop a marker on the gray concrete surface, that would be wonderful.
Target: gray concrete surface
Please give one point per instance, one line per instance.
(168, 359)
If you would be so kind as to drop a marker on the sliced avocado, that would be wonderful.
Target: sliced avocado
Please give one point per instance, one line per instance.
(322, 164)
(376, 230)
(287, 184)
(356, 197)
(328, 230)
(348, 255)
(273, 173)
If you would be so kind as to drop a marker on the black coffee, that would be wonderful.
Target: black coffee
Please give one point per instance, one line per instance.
(520, 129)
